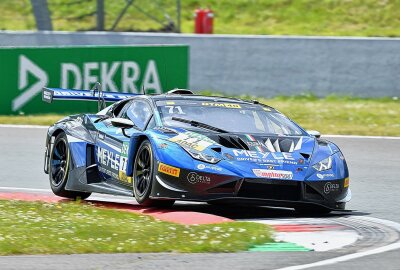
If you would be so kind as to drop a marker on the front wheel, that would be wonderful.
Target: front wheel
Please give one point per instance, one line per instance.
(59, 164)
(143, 172)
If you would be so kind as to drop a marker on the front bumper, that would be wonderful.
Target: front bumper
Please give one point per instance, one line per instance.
(201, 186)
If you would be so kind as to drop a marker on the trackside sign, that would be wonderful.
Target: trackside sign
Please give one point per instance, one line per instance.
(127, 69)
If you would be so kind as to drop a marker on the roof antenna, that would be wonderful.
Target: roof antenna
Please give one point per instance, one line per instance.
(143, 90)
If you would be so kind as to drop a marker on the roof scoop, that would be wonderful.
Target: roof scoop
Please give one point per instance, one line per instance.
(180, 92)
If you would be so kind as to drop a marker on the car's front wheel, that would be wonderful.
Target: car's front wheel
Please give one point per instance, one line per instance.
(143, 172)
(59, 165)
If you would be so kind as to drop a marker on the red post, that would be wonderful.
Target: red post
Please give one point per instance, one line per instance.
(208, 21)
(198, 21)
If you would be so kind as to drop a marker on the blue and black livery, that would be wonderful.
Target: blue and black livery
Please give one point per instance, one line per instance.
(181, 146)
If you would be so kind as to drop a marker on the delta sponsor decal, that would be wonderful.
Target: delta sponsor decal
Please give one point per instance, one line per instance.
(275, 174)
(170, 170)
(195, 178)
(331, 187)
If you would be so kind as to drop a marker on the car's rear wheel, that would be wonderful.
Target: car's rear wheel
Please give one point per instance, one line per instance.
(59, 165)
(143, 173)
(312, 210)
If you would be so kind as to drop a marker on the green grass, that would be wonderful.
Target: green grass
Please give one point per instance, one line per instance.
(277, 17)
(330, 115)
(39, 119)
(71, 228)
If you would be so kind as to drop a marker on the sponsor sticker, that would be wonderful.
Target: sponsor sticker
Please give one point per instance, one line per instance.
(124, 178)
(192, 140)
(229, 156)
(346, 182)
(195, 178)
(224, 105)
(322, 176)
(267, 157)
(170, 170)
(163, 146)
(210, 167)
(276, 174)
(330, 187)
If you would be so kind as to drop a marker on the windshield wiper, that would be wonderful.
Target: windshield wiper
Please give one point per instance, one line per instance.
(199, 124)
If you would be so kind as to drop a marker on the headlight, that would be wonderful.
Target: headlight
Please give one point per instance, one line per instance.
(201, 156)
(323, 165)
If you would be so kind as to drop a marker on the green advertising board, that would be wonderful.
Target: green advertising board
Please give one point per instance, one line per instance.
(129, 69)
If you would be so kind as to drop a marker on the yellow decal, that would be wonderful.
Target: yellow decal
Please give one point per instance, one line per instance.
(225, 105)
(266, 109)
(192, 140)
(170, 102)
(346, 182)
(124, 178)
(167, 169)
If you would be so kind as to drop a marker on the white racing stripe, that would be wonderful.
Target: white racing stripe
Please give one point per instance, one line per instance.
(356, 255)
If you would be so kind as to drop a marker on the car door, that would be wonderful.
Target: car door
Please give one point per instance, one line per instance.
(112, 146)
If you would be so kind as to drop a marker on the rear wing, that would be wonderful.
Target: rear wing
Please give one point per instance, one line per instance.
(50, 94)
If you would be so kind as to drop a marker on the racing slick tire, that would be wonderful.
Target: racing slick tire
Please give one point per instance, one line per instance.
(143, 175)
(59, 165)
(312, 210)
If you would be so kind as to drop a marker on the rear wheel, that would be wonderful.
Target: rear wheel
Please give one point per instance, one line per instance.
(59, 164)
(143, 173)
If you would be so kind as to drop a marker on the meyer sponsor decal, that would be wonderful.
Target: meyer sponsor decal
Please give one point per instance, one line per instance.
(276, 174)
(195, 178)
(192, 140)
(264, 157)
(114, 163)
(170, 170)
(225, 105)
(108, 158)
(330, 187)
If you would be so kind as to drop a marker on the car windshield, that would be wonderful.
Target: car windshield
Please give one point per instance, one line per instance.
(226, 116)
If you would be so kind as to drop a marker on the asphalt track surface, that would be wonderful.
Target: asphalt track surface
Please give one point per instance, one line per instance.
(374, 165)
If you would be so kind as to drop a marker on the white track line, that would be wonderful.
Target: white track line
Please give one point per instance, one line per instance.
(360, 137)
(22, 126)
(356, 255)
(25, 189)
(327, 135)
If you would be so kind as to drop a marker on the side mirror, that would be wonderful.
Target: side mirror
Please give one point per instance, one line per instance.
(314, 133)
(123, 124)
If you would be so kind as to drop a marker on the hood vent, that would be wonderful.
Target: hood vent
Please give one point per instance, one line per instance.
(258, 143)
(230, 141)
(306, 156)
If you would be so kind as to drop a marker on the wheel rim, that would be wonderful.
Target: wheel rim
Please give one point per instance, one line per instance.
(143, 171)
(59, 162)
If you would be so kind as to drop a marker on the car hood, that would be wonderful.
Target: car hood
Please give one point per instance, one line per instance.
(249, 155)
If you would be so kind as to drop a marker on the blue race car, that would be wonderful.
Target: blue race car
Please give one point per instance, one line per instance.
(182, 146)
